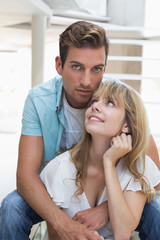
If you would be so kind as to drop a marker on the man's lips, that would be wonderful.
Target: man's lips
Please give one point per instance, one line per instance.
(94, 118)
(84, 91)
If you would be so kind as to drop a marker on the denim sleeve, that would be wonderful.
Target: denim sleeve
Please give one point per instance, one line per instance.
(30, 120)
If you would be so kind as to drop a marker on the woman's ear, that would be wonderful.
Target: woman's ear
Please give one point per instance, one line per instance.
(125, 128)
(58, 63)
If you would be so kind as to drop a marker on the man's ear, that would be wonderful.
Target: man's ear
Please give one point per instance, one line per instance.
(125, 128)
(58, 64)
(105, 67)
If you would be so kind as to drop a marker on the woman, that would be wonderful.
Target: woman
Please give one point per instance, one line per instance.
(108, 164)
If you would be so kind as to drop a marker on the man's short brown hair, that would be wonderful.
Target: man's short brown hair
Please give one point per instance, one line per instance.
(82, 34)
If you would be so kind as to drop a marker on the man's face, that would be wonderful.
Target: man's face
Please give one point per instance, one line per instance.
(82, 73)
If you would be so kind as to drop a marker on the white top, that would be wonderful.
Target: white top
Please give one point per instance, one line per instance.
(74, 123)
(58, 177)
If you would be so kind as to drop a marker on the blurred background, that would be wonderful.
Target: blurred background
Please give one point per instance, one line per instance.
(29, 32)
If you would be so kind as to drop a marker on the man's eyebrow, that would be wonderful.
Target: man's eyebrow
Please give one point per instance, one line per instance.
(77, 63)
(98, 65)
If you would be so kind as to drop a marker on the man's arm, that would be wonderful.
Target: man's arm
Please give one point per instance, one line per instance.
(33, 191)
(153, 152)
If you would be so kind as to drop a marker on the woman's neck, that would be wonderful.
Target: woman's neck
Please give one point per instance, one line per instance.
(97, 149)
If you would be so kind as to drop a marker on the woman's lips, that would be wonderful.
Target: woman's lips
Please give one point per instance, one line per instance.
(95, 118)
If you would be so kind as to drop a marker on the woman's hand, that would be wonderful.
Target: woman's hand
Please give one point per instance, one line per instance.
(120, 146)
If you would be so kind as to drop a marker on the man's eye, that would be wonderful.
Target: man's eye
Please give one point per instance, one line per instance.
(76, 67)
(97, 69)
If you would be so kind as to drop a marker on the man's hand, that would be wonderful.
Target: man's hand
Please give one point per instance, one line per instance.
(73, 230)
(93, 218)
(76, 234)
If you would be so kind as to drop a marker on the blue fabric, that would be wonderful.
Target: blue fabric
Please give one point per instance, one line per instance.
(16, 218)
(149, 226)
(43, 115)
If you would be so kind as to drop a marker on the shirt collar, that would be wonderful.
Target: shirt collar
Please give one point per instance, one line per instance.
(60, 90)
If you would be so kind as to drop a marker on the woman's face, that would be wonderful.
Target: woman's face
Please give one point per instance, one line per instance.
(104, 117)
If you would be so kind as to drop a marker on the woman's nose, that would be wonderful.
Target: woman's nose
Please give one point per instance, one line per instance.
(96, 106)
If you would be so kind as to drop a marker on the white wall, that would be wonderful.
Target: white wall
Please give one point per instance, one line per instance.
(8, 162)
(127, 12)
(152, 14)
(141, 13)
(15, 81)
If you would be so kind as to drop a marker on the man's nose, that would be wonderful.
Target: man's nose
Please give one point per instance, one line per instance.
(86, 78)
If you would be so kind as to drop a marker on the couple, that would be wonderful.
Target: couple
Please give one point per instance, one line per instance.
(53, 120)
(109, 163)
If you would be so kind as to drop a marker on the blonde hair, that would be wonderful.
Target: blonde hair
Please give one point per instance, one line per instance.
(137, 122)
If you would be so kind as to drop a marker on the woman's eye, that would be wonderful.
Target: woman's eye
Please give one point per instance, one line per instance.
(93, 101)
(110, 103)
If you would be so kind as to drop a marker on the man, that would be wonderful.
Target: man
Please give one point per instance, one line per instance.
(52, 121)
